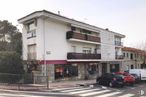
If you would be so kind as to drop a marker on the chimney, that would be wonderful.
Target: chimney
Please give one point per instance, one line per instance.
(107, 29)
(58, 12)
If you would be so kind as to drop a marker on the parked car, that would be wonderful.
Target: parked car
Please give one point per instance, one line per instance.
(140, 72)
(128, 78)
(137, 78)
(110, 79)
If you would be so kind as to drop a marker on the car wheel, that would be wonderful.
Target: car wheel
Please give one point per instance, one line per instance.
(98, 82)
(121, 86)
(110, 84)
(132, 84)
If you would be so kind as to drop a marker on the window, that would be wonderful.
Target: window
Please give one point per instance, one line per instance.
(131, 56)
(85, 31)
(124, 54)
(30, 26)
(32, 51)
(92, 69)
(87, 50)
(65, 71)
(73, 48)
(135, 56)
(132, 67)
(127, 55)
(73, 28)
(31, 32)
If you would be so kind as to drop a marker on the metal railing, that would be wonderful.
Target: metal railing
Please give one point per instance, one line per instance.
(80, 36)
(83, 56)
(22, 81)
(118, 43)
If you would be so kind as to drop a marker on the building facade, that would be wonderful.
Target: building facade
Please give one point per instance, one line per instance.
(63, 48)
(133, 58)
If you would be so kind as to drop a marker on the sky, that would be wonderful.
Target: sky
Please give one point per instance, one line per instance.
(127, 17)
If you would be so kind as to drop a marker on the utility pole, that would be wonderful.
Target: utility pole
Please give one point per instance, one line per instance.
(45, 63)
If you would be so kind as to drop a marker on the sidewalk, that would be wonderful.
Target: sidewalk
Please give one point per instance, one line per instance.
(65, 84)
(52, 85)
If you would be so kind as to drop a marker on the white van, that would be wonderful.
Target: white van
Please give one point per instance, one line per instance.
(140, 72)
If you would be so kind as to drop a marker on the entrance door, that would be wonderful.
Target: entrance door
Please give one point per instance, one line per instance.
(104, 68)
(114, 67)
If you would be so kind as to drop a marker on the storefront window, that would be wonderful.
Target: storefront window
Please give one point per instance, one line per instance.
(92, 69)
(65, 70)
(114, 68)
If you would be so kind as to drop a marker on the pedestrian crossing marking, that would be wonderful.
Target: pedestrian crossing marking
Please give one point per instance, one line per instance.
(109, 94)
(84, 91)
(127, 95)
(17, 95)
(72, 90)
(66, 88)
(94, 93)
(78, 91)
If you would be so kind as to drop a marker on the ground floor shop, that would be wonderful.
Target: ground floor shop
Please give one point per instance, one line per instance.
(75, 71)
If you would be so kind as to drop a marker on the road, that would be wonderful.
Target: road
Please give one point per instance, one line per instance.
(138, 90)
(47, 93)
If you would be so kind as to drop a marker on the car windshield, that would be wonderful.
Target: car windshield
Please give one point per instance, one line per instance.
(119, 75)
(134, 74)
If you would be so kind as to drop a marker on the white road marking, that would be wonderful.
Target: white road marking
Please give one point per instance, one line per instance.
(127, 95)
(94, 93)
(109, 94)
(71, 90)
(18, 95)
(84, 91)
(66, 88)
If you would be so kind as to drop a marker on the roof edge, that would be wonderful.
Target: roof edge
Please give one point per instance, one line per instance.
(45, 11)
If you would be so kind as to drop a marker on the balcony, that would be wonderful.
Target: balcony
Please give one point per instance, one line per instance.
(83, 56)
(31, 56)
(80, 36)
(118, 43)
(119, 57)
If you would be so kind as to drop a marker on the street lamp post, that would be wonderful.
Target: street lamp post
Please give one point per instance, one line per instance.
(45, 63)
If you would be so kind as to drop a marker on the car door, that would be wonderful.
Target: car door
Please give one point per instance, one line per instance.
(108, 78)
(105, 79)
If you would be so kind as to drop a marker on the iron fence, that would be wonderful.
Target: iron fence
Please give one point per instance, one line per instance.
(23, 81)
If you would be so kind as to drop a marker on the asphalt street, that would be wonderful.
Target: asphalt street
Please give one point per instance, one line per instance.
(138, 90)
(15, 93)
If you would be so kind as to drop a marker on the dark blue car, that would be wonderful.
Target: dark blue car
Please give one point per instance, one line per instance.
(110, 79)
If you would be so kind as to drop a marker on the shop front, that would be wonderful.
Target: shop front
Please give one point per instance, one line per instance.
(115, 66)
(65, 71)
(76, 71)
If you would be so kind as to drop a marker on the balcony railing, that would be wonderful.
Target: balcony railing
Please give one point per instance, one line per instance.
(80, 36)
(31, 33)
(119, 57)
(83, 56)
(118, 43)
(31, 56)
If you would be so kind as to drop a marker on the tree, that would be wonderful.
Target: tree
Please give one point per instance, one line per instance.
(10, 37)
(11, 68)
(7, 28)
(16, 43)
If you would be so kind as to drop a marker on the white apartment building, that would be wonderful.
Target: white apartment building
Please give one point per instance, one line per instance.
(133, 58)
(63, 48)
